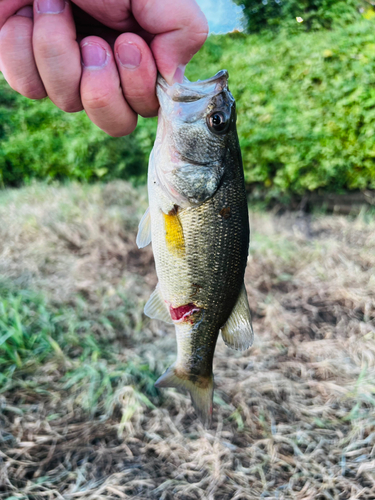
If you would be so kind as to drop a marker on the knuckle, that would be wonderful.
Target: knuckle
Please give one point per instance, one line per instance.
(97, 100)
(135, 97)
(49, 47)
(16, 28)
(33, 91)
(141, 88)
(27, 86)
(71, 107)
(145, 104)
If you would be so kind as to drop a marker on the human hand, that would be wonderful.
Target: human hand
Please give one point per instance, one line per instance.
(111, 74)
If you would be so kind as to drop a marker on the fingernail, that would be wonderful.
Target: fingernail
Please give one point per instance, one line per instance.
(179, 74)
(50, 6)
(25, 12)
(129, 55)
(93, 55)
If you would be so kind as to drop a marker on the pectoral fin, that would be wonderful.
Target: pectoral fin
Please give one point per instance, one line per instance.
(156, 308)
(144, 230)
(238, 332)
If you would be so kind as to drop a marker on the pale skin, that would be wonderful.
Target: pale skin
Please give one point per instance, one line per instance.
(98, 55)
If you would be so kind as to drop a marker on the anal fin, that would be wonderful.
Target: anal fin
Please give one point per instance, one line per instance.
(238, 332)
(156, 308)
(144, 230)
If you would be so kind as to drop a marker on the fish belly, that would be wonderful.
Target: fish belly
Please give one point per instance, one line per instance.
(200, 256)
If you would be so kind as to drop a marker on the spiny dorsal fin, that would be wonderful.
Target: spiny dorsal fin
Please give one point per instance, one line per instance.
(238, 332)
(201, 391)
(144, 230)
(156, 308)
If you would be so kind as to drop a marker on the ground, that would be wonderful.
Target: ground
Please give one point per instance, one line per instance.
(294, 416)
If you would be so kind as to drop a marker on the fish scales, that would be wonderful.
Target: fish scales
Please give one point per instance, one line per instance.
(199, 229)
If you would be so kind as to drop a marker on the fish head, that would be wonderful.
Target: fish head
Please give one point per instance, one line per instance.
(197, 121)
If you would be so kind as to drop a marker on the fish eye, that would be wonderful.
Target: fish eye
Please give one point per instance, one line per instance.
(217, 122)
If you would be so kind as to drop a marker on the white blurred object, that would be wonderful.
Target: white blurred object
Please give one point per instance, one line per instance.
(223, 15)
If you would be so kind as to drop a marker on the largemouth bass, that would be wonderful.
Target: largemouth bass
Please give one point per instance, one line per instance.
(198, 224)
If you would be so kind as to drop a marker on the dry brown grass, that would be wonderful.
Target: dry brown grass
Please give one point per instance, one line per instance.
(294, 417)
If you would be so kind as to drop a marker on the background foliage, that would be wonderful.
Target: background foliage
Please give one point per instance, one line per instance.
(316, 14)
(306, 117)
(306, 104)
(38, 141)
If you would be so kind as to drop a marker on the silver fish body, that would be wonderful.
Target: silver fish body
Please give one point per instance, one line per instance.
(198, 223)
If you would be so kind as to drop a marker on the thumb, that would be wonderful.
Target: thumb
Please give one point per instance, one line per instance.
(180, 30)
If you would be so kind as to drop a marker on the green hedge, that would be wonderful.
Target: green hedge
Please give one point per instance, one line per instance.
(315, 14)
(306, 106)
(38, 141)
(306, 117)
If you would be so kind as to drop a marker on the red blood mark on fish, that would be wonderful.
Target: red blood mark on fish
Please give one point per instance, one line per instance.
(182, 313)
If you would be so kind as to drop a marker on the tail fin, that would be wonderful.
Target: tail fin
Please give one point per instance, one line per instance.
(201, 391)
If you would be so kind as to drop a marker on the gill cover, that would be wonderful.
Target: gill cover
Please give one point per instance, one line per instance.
(192, 139)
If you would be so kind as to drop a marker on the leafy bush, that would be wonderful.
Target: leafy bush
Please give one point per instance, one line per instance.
(306, 106)
(306, 117)
(39, 141)
(316, 14)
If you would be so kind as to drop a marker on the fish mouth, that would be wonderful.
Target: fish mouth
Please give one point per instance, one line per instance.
(188, 91)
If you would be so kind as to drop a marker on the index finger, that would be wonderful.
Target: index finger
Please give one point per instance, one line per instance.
(7, 9)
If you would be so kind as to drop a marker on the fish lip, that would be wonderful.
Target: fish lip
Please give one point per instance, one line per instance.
(193, 91)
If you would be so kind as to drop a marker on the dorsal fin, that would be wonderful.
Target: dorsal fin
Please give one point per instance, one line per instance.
(238, 332)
